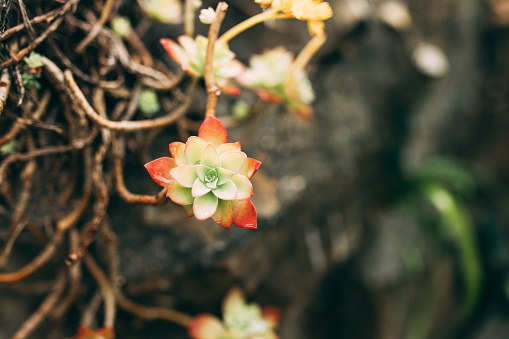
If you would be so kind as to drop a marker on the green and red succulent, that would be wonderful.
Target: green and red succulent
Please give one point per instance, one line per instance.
(86, 333)
(190, 54)
(240, 320)
(274, 78)
(209, 177)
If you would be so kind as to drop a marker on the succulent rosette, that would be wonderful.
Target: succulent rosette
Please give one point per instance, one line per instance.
(86, 333)
(240, 321)
(209, 177)
(273, 77)
(190, 54)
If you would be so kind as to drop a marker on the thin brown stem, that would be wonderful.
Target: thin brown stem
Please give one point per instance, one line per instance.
(126, 126)
(17, 225)
(42, 258)
(148, 313)
(88, 314)
(76, 144)
(74, 273)
(46, 306)
(20, 124)
(212, 90)
(26, 20)
(123, 192)
(150, 76)
(46, 17)
(72, 217)
(25, 51)
(153, 313)
(241, 27)
(97, 27)
(309, 50)
(91, 229)
(138, 45)
(106, 290)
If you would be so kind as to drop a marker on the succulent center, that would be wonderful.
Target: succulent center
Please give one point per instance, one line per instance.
(210, 179)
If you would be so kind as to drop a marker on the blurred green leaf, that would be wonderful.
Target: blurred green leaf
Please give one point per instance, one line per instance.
(449, 172)
(457, 222)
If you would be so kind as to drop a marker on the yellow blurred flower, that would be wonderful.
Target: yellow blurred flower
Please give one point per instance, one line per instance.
(300, 9)
(310, 10)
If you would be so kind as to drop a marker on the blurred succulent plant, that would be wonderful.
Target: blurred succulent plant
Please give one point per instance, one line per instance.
(148, 102)
(275, 80)
(240, 320)
(86, 333)
(190, 54)
(121, 26)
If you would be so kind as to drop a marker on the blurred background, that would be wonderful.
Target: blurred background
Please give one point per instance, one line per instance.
(384, 217)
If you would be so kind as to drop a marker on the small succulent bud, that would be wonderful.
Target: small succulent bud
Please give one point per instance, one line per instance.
(148, 102)
(190, 54)
(121, 26)
(8, 148)
(240, 109)
(34, 60)
(207, 16)
(30, 80)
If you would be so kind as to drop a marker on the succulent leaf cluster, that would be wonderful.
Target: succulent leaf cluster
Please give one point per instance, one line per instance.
(209, 177)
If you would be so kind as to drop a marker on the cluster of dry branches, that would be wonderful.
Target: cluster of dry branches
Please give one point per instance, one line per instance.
(70, 138)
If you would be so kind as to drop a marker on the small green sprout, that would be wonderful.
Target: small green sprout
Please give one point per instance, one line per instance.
(30, 80)
(8, 148)
(240, 109)
(34, 61)
(148, 102)
(121, 26)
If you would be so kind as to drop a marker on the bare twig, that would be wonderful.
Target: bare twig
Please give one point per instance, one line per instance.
(91, 229)
(133, 103)
(26, 19)
(25, 51)
(22, 123)
(96, 28)
(35, 319)
(46, 17)
(153, 313)
(148, 313)
(72, 217)
(51, 29)
(76, 144)
(106, 290)
(123, 192)
(27, 177)
(36, 263)
(68, 63)
(150, 76)
(74, 279)
(78, 95)
(139, 47)
(88, 314)
(212, 89)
